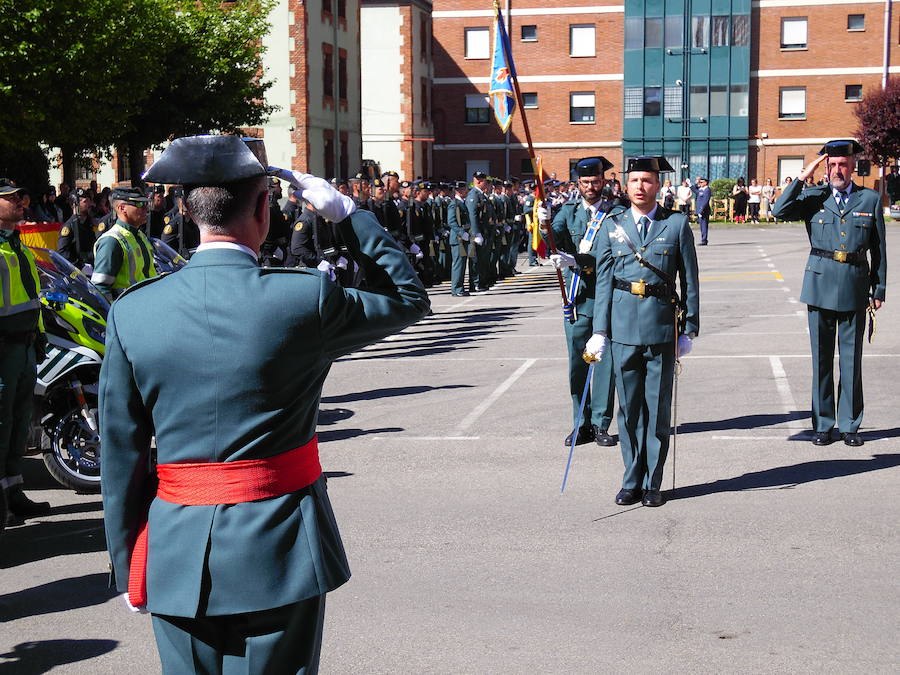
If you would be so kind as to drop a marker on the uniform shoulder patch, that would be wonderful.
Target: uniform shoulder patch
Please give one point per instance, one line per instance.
(101, 227)
(298, 226)
(166, 219)
(168, 229)
(65, 231)
(141, 284)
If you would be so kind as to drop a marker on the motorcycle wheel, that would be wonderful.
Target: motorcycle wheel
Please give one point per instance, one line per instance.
(74, 456)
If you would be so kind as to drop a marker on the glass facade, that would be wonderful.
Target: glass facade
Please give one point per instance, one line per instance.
(687, 84)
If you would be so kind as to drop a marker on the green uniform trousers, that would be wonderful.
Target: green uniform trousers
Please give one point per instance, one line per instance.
(17, 378)
(458, 267)
(598, 406)
(644, 376)
(849, 328)
(281, 640)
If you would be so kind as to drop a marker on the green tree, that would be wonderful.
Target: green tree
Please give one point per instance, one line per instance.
(210, 76)
(721, 188)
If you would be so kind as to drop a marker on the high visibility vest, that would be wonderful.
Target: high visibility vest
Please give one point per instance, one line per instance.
(15, 295)
(132, 269)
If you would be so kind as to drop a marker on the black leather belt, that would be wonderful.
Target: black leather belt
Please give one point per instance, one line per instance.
(23, 337)
(849, 257)
(643, 289)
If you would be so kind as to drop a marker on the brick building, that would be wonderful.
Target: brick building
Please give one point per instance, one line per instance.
(721, 87)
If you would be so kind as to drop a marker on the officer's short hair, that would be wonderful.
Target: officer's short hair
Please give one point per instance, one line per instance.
(214, 208)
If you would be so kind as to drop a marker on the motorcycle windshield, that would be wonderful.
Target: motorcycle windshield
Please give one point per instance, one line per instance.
(59, 274)
(165, 257)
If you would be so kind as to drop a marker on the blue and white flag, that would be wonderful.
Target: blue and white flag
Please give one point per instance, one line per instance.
(502, 94)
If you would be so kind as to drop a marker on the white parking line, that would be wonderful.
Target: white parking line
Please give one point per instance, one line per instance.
(473, 416)
(784, 391)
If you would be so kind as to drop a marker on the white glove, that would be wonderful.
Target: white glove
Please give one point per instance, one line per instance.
(328, 202)
(685, 345)
(87, 270)
(464, 236)
(342, 262)
(518, 218)
(507, 228)
(328, 268)
(131, 608)
(584, 246)
(479, 240)
(596, 346)
(561, 260)
(543, 214)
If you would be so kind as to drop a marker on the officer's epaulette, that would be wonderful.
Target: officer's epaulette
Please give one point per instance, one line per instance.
(141, 284)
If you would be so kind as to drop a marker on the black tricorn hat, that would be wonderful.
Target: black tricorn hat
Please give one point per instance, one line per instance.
(377, 182)
(205, 160)
(592, 166)
(461, 185)
(480, 175)
(841, 148)
(648, 163)
(128, 194)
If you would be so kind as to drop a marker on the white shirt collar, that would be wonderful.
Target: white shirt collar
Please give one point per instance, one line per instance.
(637, 215)
(846, 191)
(592, 208)
(210, 245)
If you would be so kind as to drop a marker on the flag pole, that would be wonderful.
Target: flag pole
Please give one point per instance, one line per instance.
(539, 184)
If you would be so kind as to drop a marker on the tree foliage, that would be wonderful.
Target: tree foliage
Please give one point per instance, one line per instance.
(878, 115)
(721, 187)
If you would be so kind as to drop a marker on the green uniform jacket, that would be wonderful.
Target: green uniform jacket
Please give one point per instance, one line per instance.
(480, 212)
(457, 219)
(569, 226)
(630, 319)
(830, 284)
(253, 349)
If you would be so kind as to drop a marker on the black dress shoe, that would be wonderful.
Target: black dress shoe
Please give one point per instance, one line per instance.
(482, 289)
(12, 520)
(702, 243)
(852, 439)
(464, 294)
(585, 435)
(628, 496)
(602, 438)
(822, 438)
(653, 498)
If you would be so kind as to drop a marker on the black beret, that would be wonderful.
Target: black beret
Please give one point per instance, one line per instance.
(128, 194)
(206, 160)
(841, 148)
(651, 164)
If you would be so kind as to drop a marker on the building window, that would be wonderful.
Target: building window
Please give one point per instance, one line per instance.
(792, 103)
(342, 9)
(329, 152)
(478, 110)
(345, 156)
(740, 100)
(123, 166)
(672, 103)
(793, 32)
(856, 22)
(699, 165)
(526, 168)
(653, 32)
(424, 39)
(853, 92)
(699, 101)
(720, 31)
(581, 107)
(426, 170)
(634, 102)
(424, 103)
(529, 99)
(789, 167)
(529, 33)
(740, 30)
(634, 33)
(737, 165)
(674, 32)
(582, 41)
(652, 101)
(478, 43)
(327, 7)
(328, 70)
(342, 75)
(700, 32)
(718, 101)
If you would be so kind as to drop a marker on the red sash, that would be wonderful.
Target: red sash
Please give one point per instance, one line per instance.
(212, 483)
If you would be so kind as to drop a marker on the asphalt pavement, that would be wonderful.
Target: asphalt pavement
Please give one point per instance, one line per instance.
(444, 451)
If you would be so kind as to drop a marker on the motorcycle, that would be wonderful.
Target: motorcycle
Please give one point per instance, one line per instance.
(165, 258)
(65, 427)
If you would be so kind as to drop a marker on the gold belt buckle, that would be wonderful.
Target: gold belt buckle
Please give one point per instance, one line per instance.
(840, 256)
(639, 288)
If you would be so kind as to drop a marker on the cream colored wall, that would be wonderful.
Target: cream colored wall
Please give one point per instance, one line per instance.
(381, 42)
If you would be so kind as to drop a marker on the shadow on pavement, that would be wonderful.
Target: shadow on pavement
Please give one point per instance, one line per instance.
(334, 415)
(344, 434)
(32, 658)
(338, 474)
(788, 477)
(40, 540)
(743, 422)
(56, 596)
(84, 507)
(387, 392)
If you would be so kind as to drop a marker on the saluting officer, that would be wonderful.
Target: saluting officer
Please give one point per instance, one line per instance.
(123, 255)
(575, 252)
(76, 237)
(645, 253)
(21, 347)
(480, 214)
(846, 272)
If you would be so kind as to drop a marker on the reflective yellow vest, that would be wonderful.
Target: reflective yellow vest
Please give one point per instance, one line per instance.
(132, 269)
(15, 296)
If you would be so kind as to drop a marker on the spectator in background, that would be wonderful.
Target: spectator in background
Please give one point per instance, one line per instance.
(740, 195)
(892, 184)
(702, 207)
(49, 210)
(768, 193)
(753, 200)
(62, 201)
(684, 194)
(668, 194)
